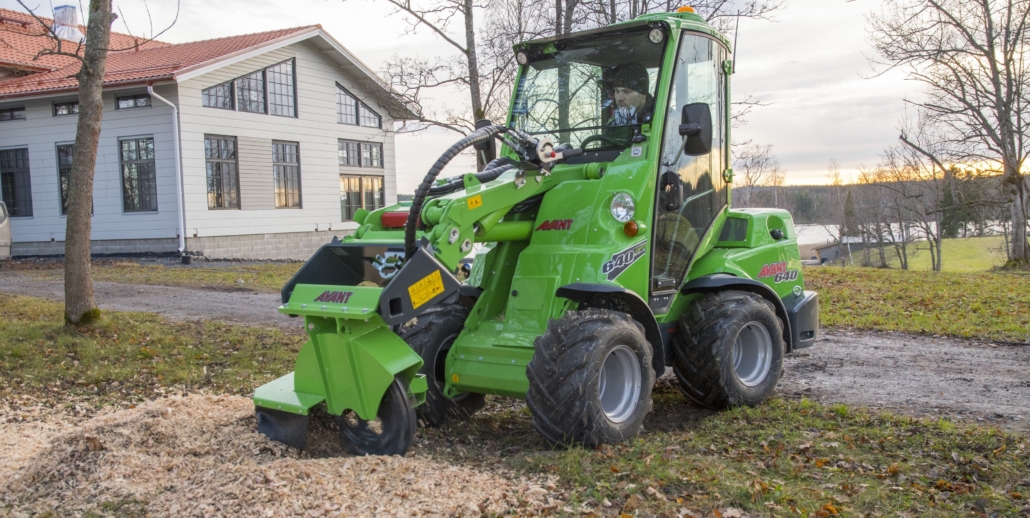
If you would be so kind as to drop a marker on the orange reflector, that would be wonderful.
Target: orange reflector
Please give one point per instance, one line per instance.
(394, 219)
(630, 228)
(685, 9)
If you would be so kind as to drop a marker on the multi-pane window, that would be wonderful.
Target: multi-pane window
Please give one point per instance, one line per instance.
(64, 172)
(223, 186)
(68, 108)
(369, 118)
(139, 175)
(360, 192)
(350, 153)
(286, 171)
(13, 114)
(371, 154)
(133, 101)
(351, 111)
(346, 107)
(218, 96)
(15, 181)
(281, 99)
(250, 92)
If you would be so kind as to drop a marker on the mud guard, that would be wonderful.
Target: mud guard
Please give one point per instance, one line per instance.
(349, 361)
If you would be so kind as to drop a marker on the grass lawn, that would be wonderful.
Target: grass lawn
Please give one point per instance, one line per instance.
(989, 306)
(782, 458)
(975, 254)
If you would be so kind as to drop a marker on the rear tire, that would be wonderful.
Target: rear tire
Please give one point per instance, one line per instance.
(390, 433)
(729, 351)
(431, 336)
(590, 379)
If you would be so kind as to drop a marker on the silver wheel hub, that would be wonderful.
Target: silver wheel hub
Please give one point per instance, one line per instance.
(619, 384)
(752, 354)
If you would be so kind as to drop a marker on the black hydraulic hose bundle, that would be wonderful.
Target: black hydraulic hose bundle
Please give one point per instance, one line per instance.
(424, 188)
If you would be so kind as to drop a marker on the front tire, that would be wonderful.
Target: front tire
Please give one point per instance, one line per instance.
(590, 379)
(730, 350)
(431, 336)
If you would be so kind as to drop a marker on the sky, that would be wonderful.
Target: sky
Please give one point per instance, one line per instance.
(810, 67)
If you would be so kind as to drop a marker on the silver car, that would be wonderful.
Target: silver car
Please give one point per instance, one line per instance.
(5, 233)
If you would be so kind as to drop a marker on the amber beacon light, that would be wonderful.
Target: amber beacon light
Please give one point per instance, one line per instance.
(685, 9)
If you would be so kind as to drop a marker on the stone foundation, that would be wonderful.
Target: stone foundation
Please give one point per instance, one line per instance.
(99, 247)
(297, 246)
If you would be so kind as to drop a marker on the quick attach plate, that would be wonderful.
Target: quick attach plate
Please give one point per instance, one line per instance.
(421, 283)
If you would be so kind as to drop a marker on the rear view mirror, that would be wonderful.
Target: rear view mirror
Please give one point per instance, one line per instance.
(696, 125)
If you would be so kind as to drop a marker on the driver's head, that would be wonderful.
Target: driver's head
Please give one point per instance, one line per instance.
(631, 85)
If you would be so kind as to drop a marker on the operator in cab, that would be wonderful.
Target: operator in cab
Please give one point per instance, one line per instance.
(633, 103)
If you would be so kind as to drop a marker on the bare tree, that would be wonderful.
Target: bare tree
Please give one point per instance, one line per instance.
(757, 167)
(80, 306)
(971, 58)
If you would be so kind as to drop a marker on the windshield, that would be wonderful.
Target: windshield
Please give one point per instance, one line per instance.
(592, 93)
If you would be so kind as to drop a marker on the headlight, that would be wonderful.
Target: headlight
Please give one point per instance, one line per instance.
(522, 58)
(656, 36)
(622, 207)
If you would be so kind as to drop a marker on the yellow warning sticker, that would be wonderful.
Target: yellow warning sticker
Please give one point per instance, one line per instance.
(475, 202)
(422, 291)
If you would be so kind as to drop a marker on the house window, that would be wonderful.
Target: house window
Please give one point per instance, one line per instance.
(371, 154)
(15, 181)
(250, 92)
(69, 108)
(133, 101)
(281, 99)
(13, 114)
(369, 118)
(218, 96)
(346, 107)
(64, 172)
(223, 186)
(349, 153)
(139, 175)
(286, 171)
(360, 192)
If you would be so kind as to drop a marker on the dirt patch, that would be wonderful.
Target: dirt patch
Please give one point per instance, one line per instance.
(920, 375)
(201, 455)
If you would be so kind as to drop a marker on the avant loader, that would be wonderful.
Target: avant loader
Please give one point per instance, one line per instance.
(604, 251)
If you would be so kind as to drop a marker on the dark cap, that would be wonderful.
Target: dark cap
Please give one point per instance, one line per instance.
(632, 76)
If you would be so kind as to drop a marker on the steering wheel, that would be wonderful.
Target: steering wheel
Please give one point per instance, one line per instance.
(617, 142)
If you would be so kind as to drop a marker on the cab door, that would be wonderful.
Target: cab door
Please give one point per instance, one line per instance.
(5, 233)
(682, 219)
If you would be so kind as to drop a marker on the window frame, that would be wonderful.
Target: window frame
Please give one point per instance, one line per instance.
(62, 193)
(375, 115)
(121, 173)
(360, 157)
(362, 192)
(232, 96)
(71, 111)
(293, 94)
(300, 185)
(12, 111)
(25, 173)
(235, 161)
(339, 115)
(118, 99)
(264, 92)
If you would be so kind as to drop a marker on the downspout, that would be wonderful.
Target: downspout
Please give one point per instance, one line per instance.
(178, 167)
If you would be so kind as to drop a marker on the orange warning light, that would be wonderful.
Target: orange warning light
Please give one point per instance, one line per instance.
(685, 9)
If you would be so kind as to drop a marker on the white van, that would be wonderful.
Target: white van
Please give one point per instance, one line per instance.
(5, 233)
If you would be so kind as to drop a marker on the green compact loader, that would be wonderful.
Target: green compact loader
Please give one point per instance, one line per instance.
(604, 251)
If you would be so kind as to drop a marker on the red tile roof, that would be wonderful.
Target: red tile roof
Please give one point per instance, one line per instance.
(152, 61)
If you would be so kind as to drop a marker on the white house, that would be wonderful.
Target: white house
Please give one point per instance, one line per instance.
(256, 146)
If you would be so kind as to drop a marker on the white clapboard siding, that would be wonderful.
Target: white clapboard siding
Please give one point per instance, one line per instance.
(315, 130)
(41, 132)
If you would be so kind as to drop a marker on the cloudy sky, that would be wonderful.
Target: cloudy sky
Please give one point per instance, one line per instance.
(811, 66)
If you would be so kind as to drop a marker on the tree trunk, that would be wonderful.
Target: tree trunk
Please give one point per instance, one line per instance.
(80, 306)
(1020, 251)
(473, 64)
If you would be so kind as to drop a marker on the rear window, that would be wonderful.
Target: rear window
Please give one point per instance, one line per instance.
(735, 229)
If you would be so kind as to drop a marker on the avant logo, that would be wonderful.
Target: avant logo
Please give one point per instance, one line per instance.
(779, 272)
(337, 297)
(555, 224)
(622, 260)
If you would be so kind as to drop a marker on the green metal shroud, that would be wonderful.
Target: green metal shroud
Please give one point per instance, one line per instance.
(350, 359)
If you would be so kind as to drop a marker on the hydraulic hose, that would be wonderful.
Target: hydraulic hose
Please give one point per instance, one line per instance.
(493, 170)
(415, 215)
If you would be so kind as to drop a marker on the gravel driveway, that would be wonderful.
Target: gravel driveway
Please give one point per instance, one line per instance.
(913, 374)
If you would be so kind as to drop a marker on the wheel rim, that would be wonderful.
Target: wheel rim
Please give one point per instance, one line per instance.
(752, 354)
(619, 384)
